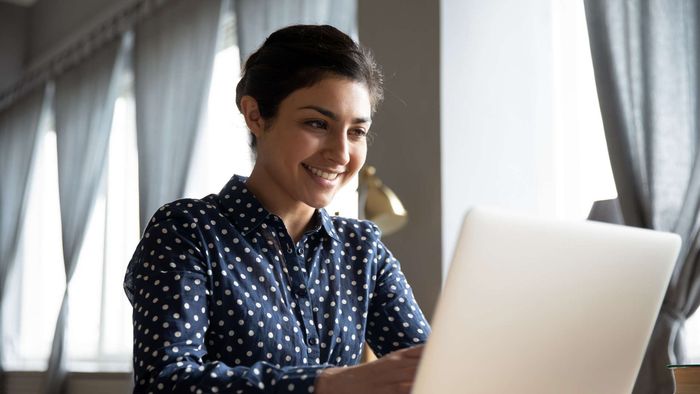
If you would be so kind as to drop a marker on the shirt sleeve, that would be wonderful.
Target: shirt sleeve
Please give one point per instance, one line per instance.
(395, 321)
(168, 285)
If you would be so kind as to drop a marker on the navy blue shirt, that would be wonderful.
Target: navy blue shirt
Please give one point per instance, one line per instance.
(225, 301)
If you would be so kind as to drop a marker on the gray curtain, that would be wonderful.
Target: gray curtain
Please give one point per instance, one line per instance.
(256, 19)
(645, 57)
(173, 59)
(19, 131)
(83, 108)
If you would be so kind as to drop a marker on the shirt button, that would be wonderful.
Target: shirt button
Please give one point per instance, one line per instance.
(289, 249)
(301, 292)
(300, 251)
(313, 341)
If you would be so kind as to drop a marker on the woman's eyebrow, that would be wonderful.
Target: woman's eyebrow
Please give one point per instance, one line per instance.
(332, 115)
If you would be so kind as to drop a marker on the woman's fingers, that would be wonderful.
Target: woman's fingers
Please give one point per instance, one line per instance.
(403, 375)
(411, 352)
(403, 388)
(393, 373)
(397, 367)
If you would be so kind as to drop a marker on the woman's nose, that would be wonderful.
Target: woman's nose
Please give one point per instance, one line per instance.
(338, 148)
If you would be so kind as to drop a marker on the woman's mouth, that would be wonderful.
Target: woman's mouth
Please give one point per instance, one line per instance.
(330, 176)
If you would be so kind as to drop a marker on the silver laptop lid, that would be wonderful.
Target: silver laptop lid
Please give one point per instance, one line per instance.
(535, 306)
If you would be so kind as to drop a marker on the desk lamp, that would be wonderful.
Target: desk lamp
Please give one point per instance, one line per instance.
(379, 204)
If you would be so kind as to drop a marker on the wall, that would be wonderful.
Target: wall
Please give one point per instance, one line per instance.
(13, 37)
(405, 39)
(496, 99)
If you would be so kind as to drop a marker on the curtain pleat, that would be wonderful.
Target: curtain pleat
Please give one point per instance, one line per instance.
(83, 107)
(19, 132)
(173, 59)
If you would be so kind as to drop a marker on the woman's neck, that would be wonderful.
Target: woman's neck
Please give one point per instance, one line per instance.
(296, 224)
(295, 215)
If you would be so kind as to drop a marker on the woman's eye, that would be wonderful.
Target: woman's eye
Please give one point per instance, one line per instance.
(358, 132)
(316, 124)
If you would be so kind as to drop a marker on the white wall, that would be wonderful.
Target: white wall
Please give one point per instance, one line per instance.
(495, 95)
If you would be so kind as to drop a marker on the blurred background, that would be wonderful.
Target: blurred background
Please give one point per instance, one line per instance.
(110, 108)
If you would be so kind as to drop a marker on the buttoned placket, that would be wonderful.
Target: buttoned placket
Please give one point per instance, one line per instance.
(309, 311)
(299, 279)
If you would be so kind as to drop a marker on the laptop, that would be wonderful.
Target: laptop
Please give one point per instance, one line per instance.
(537, 306)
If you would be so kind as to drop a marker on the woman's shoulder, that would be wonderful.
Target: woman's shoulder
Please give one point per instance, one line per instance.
(355, 228)
(187, 209)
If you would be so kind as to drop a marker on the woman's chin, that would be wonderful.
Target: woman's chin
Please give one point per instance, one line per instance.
(319, 201)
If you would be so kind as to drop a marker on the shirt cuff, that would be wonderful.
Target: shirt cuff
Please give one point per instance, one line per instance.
(299, 380)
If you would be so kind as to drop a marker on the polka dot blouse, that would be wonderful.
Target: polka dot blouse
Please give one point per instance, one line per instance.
(225, 302)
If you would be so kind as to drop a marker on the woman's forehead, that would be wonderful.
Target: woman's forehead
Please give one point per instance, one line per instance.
(333, 97)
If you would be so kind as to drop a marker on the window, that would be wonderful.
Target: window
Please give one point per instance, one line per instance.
(101, 340)
(222, 146)
(692, 338)
(35, 287)
(582, 172)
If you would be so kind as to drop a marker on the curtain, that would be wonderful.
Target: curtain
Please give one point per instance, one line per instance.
(645, 58)
(173, 59)
(256, 19)
(83, 107)
(19, 131)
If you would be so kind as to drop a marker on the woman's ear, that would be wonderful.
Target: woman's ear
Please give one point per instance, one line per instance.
(251, 113)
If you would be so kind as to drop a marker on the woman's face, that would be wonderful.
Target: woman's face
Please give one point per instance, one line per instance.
(315, 144)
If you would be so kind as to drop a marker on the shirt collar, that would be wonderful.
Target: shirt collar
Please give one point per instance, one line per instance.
(247, 213)
(327, 224)
(241, 206)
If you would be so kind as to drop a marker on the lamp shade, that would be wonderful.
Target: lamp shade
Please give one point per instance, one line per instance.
(380, 204)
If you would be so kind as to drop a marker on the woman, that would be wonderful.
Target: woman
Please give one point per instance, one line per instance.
(257, 289)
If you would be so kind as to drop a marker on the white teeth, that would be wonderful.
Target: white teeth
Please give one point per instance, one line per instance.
(325, 175)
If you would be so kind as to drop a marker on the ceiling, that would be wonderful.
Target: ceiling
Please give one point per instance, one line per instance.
(25, 3)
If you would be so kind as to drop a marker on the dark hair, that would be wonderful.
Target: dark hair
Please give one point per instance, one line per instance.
(299, 56)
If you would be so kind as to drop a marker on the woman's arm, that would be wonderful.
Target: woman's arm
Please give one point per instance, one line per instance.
(396, 331)
(394, 321)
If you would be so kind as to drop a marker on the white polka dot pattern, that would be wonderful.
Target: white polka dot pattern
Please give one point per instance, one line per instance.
(225, 301)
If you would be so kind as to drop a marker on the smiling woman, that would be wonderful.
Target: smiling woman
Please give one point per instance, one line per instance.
(313, 146)
(257, 288)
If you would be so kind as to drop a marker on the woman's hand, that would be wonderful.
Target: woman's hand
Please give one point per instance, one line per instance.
(393, 373)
